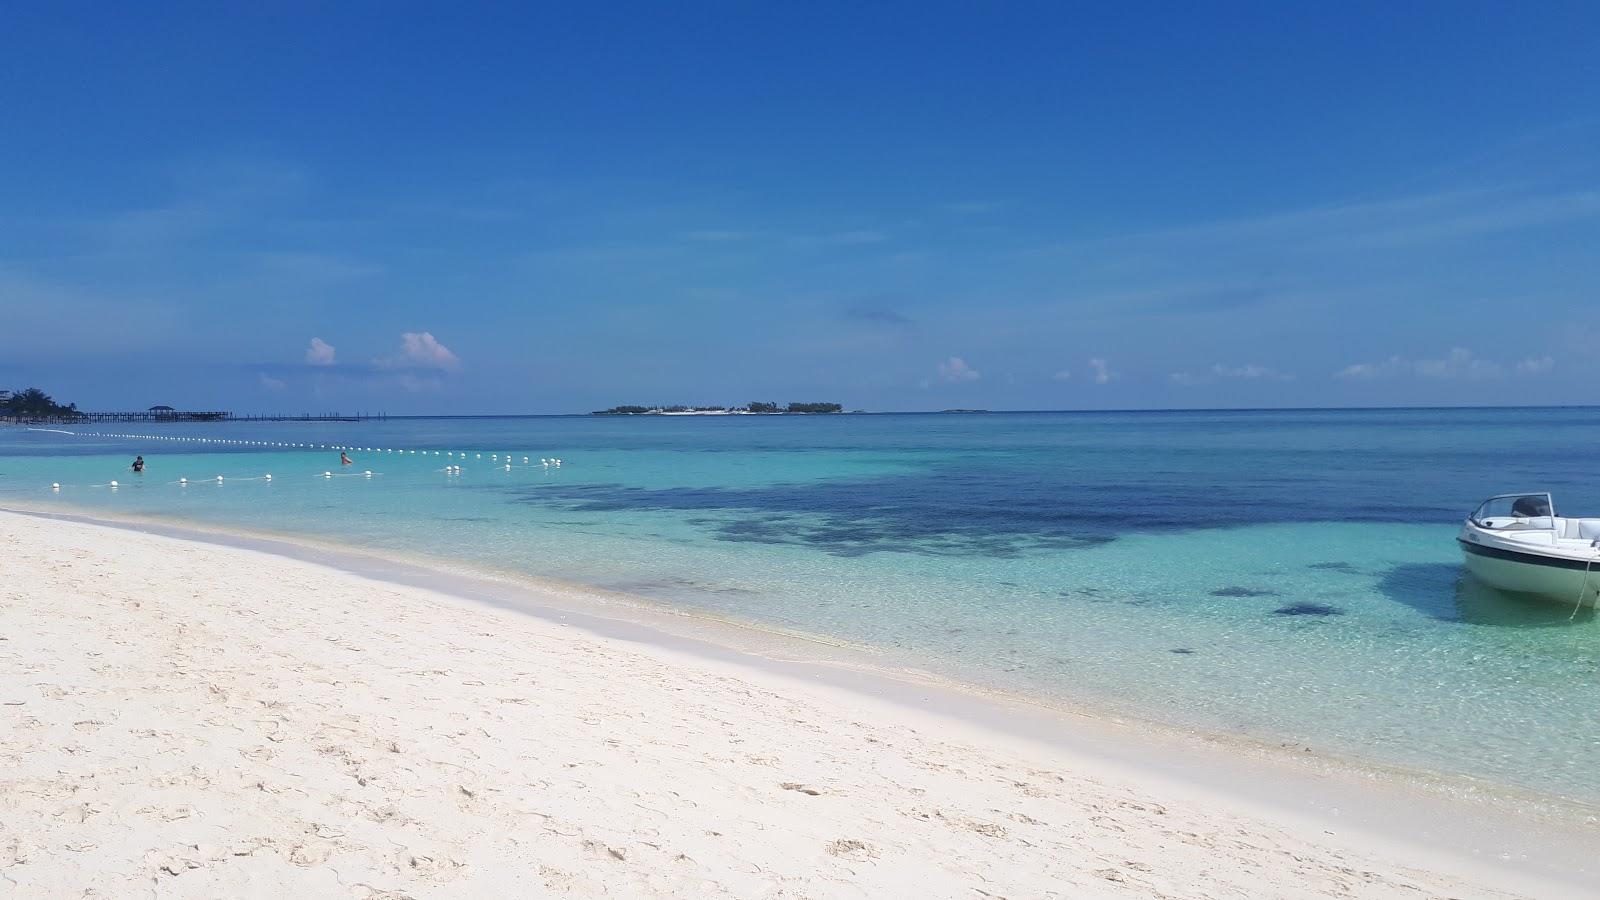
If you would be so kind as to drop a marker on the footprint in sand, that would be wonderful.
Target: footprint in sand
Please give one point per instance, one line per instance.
(849, 848)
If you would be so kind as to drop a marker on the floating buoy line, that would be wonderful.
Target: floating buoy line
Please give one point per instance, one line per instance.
(503, 460)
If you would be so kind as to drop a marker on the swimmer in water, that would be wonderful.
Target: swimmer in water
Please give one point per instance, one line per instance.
(138, 464)
(345, 460)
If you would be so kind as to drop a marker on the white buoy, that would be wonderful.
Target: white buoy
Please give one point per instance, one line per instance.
(269, 476)
(368, 473)
(55, 485)
(524, 459)
(219, 479)
(327, 474)
(183, 481)
(113, 484)
(508, 467)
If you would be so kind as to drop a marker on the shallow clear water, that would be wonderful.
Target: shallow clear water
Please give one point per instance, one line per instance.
(1287, 575)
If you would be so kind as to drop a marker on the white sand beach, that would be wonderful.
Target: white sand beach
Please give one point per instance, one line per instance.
(181, 719)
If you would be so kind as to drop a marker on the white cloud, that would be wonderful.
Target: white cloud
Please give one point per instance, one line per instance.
(1102, 371)
(422, 350)
(320, 353)
(1536, 365)
(955, 369)
(1459, 364)
(1063, 375)
(270, 383)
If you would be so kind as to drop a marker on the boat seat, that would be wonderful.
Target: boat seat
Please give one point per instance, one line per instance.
(1564, 528)
(1583, 529)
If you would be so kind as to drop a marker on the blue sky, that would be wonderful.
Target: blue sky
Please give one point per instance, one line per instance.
(520, 208)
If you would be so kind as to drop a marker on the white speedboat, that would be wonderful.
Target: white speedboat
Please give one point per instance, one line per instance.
(1517, 543)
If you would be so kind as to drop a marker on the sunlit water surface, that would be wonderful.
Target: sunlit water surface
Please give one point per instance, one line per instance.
(1290, 576)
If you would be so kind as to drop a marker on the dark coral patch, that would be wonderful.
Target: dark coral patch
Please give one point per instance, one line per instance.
(1243, 592)
(1308, 609)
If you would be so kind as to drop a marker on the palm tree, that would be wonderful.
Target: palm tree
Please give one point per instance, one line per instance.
(33, 403)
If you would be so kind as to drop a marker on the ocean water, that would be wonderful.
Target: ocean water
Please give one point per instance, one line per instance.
(1290, 576)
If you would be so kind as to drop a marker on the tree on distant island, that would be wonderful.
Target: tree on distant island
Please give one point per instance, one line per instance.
(755, 407)
(815, 407)
(32, 403)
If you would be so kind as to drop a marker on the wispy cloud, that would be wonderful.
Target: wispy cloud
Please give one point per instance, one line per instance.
(878, 315)
(1062, 375)
(207, 195)
(854, 238)
(418, 384)
(974, 208)
(1390, 222)
(1102, 371)
(717, 236)
(320, 353)
(862, 236)
(269, 383)
(1388, 368)
(319, 268)
(1460, 363)
(1536, 365)
(1219, 371)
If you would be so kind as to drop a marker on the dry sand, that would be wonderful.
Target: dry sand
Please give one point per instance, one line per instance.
(181, 719)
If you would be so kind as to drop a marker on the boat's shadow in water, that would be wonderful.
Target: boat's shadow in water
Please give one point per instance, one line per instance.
(1446, 592)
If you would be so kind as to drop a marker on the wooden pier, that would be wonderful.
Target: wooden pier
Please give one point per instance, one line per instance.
(164, 416)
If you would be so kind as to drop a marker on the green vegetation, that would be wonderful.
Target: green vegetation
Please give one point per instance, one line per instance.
(755, 408)
(34, 405)
(815, 408)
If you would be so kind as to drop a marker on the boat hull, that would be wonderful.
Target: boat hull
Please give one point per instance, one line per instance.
(1552, 578)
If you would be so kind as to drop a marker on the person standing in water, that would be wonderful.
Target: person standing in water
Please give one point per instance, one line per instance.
(138, 464)
(345, 460)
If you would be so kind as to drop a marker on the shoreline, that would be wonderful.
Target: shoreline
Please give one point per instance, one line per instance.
(1353, 806)
(876, 671)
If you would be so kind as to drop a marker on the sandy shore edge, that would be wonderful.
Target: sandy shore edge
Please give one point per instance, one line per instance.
(880, 751)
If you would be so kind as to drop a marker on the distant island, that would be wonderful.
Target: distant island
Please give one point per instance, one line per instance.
(751, 409)
(963, 410)
(34, 405)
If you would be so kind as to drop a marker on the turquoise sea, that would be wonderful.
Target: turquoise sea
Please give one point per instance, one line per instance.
(1290, 576)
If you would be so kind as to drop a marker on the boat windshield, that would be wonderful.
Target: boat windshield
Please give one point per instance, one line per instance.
(1516, 510)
